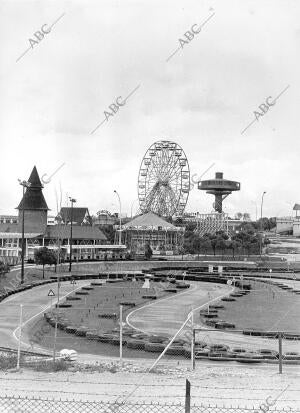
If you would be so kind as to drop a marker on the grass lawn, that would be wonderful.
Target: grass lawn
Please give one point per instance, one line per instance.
(266, 308)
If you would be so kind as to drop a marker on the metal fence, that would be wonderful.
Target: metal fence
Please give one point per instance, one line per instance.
(12, 404)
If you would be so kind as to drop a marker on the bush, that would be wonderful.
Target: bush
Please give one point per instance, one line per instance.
(8, 361)
(4, 268)
(50, 366)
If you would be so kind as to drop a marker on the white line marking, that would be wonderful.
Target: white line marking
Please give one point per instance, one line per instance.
(45, 308)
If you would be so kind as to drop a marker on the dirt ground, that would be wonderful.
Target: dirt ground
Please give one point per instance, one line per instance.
(211, 383)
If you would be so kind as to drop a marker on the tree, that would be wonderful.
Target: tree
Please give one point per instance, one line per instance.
(246, 216)
(221, 244)
(44, 256)
(109, 232)
(233, 245)
(206, 244)
(148, 251)
(213, 243)
(4, 268)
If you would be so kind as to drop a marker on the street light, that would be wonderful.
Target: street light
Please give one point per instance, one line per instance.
(24, 184)
(119, 216)
(72, 200)
(261, 209)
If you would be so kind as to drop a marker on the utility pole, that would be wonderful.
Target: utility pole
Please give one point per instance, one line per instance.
(24, 184)
(71, 235)
(261, 227)
(120, 219)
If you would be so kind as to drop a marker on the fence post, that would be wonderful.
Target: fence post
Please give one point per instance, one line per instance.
(192, 330)
(187, 396)
(121, 333)
(280, 352)
(193, 349)
(55, 337)
(20, 334)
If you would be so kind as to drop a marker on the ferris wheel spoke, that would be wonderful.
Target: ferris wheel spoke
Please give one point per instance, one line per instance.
(160, 187)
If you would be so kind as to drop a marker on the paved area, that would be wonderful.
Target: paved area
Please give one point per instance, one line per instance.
(168, 314)
(34, 303)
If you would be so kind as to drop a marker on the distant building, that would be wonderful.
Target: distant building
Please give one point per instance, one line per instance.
(104, 218)
(81, 216)
(8, 219)
(284, 225)
(51, 220)
(88, 242)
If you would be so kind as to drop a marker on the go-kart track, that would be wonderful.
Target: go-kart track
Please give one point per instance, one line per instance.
(164, 316)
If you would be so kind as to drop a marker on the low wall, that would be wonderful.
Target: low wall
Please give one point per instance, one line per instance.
(114, 266)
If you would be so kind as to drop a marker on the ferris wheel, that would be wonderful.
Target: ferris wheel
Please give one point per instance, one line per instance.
(164, 179)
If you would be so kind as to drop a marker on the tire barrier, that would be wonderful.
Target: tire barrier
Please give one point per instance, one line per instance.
(91, 335)
(180, 285)
(180, 347)
(209, 315)
(70, 329)
(136, 344)
(149, 297)
(157, 339)
(154, 347)
(216, 306)
(106, 337)
(128, 303)
(222, 325)
(81, 331)
(176, 350)
(107, 315)
(63, 305)
(72, 298)
(23, 288)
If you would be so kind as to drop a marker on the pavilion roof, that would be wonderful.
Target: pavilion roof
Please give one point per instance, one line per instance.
(150, 221)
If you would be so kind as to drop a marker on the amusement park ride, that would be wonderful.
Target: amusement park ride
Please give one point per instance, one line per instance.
(164, 186)
(220, 188)
(164, 179)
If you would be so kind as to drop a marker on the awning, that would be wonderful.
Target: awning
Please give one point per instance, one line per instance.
(19, 235)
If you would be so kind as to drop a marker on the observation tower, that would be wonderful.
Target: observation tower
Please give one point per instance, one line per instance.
(220, 188)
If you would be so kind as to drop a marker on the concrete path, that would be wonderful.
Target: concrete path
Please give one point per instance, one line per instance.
(35, 302)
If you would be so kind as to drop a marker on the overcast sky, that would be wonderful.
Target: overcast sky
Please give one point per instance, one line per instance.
(202, 98)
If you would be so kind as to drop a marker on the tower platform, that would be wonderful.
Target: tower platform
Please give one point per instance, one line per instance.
(220, 188)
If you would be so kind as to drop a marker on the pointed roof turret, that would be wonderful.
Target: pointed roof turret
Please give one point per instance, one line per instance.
(33, 198)
(34, 179)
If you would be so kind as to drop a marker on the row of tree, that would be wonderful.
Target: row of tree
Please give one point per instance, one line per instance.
(44, 256)
(245, 241)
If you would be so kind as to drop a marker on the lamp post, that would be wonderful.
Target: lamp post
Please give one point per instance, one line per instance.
(24, 184)
(72, 200)
(120, 219)
(261, 229)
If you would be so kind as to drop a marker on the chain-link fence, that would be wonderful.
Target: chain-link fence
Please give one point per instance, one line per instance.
(12, 404)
